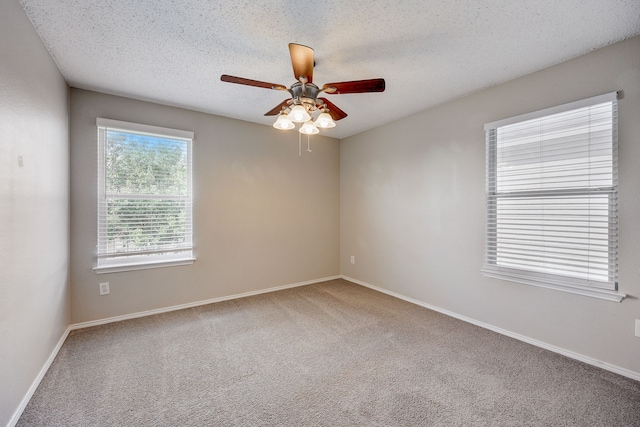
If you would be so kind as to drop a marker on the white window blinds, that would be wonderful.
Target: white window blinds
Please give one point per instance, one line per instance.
(144, 195)
(551, 193)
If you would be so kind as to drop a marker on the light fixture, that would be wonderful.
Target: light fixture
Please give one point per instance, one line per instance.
(325, 121)
(302, 109)
(283, 123)
(299, 114)
(308, 128)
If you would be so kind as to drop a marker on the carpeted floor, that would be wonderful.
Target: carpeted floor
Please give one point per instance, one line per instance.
(328, 354)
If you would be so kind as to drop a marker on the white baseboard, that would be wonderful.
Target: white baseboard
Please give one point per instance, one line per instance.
(573, 355)
(34, 386)
(194, 304)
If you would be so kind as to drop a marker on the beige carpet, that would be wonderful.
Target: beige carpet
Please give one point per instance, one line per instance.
(329, 354)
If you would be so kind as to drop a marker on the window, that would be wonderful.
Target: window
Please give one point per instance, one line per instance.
(551, 194)
(144, 196)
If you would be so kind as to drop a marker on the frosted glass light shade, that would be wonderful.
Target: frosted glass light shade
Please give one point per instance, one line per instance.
(299, 114)
(308, 128)
(325, 121)
(283, 123)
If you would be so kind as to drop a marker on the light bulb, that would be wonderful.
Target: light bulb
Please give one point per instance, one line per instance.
(325, 121)
(283, 123)
(308, 128)
(298, 114)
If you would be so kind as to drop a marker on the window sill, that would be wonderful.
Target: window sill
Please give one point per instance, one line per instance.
(117, 268)
(531, 280)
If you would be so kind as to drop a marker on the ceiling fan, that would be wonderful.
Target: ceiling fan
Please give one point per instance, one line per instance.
(305, 100)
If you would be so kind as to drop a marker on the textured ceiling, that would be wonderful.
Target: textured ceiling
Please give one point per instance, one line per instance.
(428, 51)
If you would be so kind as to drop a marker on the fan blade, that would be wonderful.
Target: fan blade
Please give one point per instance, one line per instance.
(249, 82)
(302, 61)
(276, 110)
(335, 112)
(356, 86)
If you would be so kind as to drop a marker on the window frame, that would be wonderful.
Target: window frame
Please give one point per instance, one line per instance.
(555, 281)
(140, 260)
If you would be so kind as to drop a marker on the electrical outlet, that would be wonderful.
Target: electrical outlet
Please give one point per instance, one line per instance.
(353, 259)
(104, 288)
(638, 328)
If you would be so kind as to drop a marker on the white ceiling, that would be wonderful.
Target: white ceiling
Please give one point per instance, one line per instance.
(428, 51)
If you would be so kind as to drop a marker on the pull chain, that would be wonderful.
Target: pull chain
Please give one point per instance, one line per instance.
(300, 144)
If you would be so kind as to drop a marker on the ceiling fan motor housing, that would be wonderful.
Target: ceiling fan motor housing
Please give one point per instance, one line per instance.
(305, 94)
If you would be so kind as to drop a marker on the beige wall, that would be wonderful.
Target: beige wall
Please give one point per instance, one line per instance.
(263, 216)
(413, 210)
(34, 206)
